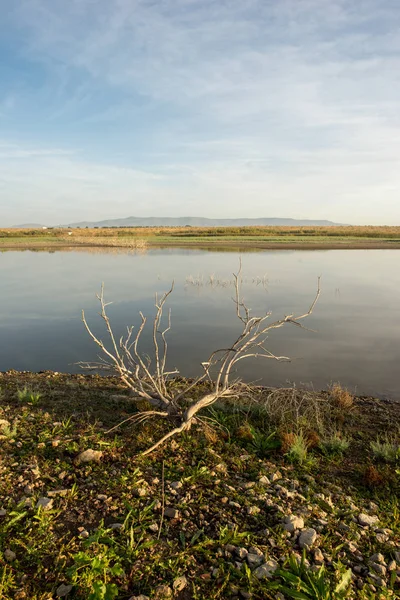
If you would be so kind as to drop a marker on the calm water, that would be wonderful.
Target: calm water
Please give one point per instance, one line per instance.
(357, 318)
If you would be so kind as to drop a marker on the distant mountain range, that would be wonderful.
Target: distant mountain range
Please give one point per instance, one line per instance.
(190, 221)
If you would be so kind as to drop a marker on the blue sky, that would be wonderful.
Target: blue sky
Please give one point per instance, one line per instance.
(223, 108)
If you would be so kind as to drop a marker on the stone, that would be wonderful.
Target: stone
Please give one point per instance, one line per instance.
(4, 424)
(3, 512)
(291, 523)
(318, 557)
(116, 526)
(63, 590)
(171, 513)
(391, 565)
(264, 480)
(254, 560)
(28, 490)
(163, 592)
(89, 455)
(54, 493)
(377, 558)
(241, 553)
(266, 570)
(307, 538)
(44, 503)
(253, 510)
(176, 485)
(380, 569)
(180, 583)
(276, 476)
(140, 597)
(367, 520)
(154, 527)
(9, 555)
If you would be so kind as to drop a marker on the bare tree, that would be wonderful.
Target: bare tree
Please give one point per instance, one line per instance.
(150, 380)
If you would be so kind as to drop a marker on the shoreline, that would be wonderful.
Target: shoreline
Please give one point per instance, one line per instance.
(226, 245)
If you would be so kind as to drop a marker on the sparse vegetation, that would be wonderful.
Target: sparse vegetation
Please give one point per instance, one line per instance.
(185, 517)
(386, 449)
(141, 237)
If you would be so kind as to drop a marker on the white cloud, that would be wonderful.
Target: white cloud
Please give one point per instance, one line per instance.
(294, 102)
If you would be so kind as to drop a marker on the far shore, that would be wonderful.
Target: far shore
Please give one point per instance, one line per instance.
(206, 245)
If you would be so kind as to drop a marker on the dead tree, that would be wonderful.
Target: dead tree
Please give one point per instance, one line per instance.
(150, 380)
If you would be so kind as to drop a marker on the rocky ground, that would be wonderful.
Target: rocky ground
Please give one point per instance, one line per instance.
(231, 511)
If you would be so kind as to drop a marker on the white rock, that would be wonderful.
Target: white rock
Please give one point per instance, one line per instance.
(63, 590)
(264, 480)
(176, 485)
(253, 510)
(291, 523)
(367, 520)
(266, 570)
(307, 538)
(9, 555)
(45, 503)
(89, 455)
(180, 583)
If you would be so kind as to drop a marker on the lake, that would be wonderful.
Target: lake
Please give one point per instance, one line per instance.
(357, 320)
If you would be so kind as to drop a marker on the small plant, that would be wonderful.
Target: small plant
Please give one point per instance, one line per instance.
(94, 568)
(386, 449)
(342, 397)
(28, 396)
(335, 445)
(299, 581)
(297, 453)
(9, 431)
(263, 444)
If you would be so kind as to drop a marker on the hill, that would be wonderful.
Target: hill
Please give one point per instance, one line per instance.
(198, 222)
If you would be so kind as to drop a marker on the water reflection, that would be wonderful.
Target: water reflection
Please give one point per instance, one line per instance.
(357, 317)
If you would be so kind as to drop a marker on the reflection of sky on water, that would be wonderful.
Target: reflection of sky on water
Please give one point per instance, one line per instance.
(357, 317)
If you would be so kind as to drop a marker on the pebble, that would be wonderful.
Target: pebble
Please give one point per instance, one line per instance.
(253, 510)
(89, 455)
(154, 527)
(63, 590)
(163, 592)
(171, 513)
(9, 555)
(254, 560)
(264, 480)
(266, 570)
(44, 503)
(307, 538)
(318, 557)
(3, 512)
(176, 485)
(291, 523)
(180, 583)
(367, 520)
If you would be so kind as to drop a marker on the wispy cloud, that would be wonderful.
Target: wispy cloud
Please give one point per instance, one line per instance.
(286, 107)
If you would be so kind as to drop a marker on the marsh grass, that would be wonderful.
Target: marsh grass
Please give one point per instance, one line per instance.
(386, 449)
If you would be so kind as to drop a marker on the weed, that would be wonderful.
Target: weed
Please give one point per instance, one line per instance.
(299, 581)
(94, 568)
(298, 451)
(334, 445)
(263, 444)
(342, 397)
(386, 449)
(28, 396)
(9, 431)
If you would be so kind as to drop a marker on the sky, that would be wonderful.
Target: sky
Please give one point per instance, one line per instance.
(214, 108)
